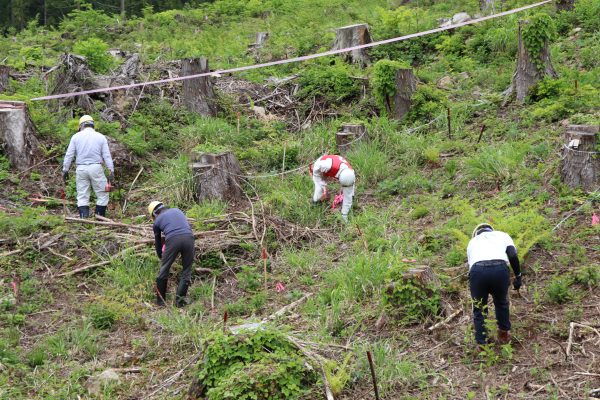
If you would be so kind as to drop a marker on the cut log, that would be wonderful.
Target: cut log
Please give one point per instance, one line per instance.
(18, 134)
(487, 6)
(565, 5)
(216, 177)
(198, 93)
(581, 161)
(4, 75)
(406, 84)
(528, 73)
(353, 35)
(349, 136)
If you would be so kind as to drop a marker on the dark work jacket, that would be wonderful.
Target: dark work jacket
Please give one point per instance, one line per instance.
(170, 222)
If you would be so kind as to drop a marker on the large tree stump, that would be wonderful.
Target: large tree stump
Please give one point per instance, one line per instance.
(198, 93)
(565, 5)
(487, 6)
(216, 177)
(406, 84)
(74, 75)
(527, 73)
(260, 40)
(17, 134)
(350, 135)
(581, 160)
(353, 35)
(4, 75)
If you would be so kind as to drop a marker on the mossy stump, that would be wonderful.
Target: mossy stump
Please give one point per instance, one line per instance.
(350, 135)
(216, 177)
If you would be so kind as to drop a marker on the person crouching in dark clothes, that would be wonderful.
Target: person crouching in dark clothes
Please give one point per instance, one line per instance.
(179, 239)
(488, 254)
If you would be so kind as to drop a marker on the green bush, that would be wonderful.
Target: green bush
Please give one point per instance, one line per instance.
(96, 52)
(271, 366)
(102, 317)
(419, 212)
(427, 103)
(332, 82)
(31, 220)
(497, 164)
(588, 276)
(383, 80)
(558, 290)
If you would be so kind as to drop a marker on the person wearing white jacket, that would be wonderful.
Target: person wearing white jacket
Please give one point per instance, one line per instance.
(333, 167)
(90, 149)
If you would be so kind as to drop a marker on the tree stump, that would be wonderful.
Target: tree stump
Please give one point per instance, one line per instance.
(198, 93)
(406, 84)
(487, 6)
(74, 75)
(527, 73)
(4, 75)
(216, 177)
(581, 160)
(17, 134)
(353, 35)
(261, 39)
(350, 135)
(565, 5)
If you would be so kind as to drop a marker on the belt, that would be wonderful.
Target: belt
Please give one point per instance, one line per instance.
(489, 263)
(94, 163)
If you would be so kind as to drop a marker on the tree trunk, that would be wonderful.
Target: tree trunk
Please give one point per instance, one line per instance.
(216, 177)
(581, 160)
(565, 5)
(527, 73)
(350, 135)
(487, 6)
(406, 84)
(4, 75)
(353, 35)
(17, 134)
(261, 39)
(198, 93)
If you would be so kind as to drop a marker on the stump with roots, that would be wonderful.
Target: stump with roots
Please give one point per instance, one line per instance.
(487, 6)
(198, 93)
(406, 84)
(353, 35)
(528, 73)
(73, 75)
(581, 159)
(216, 177)
(17, 134)
(260, 40)
(350, 135)
(4, 75)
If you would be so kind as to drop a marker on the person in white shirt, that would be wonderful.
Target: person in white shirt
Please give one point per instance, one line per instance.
(489, 252)
(333, 167)
(90, 149)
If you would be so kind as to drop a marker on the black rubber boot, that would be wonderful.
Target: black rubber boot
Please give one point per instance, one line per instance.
(161, 291)
(84, 211)
(180, 300)
(101, 210)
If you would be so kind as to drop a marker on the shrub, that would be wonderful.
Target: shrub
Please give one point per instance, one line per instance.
(332, 82)
(102, 316)
(427, 103)
(419, 212)
(271, 366)
(588, 276)
(558, 290)
(383, 79)
(96, 52)
(497, 164)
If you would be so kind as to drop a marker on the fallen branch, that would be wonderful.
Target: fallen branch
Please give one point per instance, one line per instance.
(572, 326)
(315, 359)
(10, 253)
(88, 267)
(92, 222)
(448, 319)
(132, 183)
(285, 309)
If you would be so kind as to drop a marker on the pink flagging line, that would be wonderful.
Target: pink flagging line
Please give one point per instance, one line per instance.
(295, 59)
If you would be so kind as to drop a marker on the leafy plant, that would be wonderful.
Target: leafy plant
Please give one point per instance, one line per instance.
(96, 52)
(383, 79)
(558, 290)
(537, 33)
(102, 317)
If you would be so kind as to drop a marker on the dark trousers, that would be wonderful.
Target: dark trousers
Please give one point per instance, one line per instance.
(183, 244)
(483, 281)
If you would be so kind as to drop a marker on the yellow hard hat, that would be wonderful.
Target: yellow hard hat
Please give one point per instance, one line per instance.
(153, 206)
(85, 118)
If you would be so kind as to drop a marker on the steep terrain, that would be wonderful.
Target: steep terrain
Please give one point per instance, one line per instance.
(76, 297)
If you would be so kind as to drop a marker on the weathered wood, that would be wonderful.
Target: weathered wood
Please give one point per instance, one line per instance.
(565, 5)
(527, 73)
(487, 6)
(73, 75)
(353, 35)
(216, 177)
(18, 134)
(4, 75)
(198, 93)
(349, 136)
(260, 40)
(581, 164)
(406, 84)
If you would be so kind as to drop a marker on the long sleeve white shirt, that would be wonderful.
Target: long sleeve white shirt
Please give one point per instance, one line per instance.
(88, 147)
(320, 168)
(488, 246)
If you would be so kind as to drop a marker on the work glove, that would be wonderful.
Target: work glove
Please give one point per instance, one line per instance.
(65, 176)
(111, 177)
(517, 282)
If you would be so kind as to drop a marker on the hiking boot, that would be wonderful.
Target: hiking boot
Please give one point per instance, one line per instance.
(101, 210)
(180, 300)
(161, 292)
(503, 337)
(84, 211)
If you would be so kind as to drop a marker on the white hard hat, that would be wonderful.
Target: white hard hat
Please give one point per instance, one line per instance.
(153, 206)
(86, 118)
(347, 177)
(485, 227)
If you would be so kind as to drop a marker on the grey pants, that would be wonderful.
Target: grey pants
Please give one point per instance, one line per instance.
(91, 175)
(183, 244)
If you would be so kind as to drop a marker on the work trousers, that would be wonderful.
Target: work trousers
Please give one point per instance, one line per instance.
(483, 281)
(87, 176)
(347, 191)
(184, 245)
